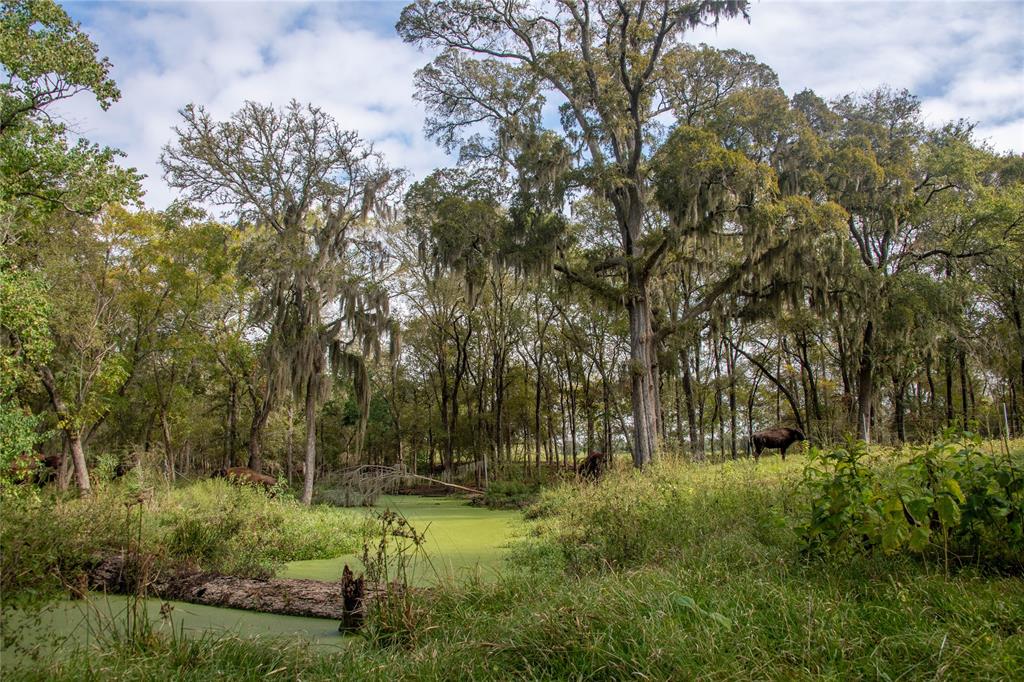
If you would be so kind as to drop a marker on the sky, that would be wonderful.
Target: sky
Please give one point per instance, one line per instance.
(964, 59)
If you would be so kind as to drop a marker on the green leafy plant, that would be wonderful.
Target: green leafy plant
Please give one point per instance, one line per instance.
(950, 499)
(392, 616)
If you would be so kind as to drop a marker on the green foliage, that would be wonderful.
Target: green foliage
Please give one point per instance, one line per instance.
(717, 605)
(48, 542)
(630, 519)
(699, 183)
(23, 315)
(509, 495)
(391, 618)
(47, 58)
(240, 530)
(37, 39)
(951, 500)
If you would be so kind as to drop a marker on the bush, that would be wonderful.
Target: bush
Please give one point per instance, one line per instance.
(48, 542)
(509, 495)
(950, 500)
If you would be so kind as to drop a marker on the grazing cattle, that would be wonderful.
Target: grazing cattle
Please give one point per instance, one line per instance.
(780, 439)
(594, 465)
(246, 476)
(35, 468)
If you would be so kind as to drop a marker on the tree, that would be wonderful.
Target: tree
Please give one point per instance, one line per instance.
(605, 61)
(46, 58)
(911, 194)
(310, 187)
(616, 68)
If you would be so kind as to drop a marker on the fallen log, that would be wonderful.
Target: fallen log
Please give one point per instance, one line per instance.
(344, 600)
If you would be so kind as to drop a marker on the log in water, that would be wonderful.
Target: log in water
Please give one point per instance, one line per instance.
(343, 600)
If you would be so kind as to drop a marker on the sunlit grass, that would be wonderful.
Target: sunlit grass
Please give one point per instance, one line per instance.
(686, 571)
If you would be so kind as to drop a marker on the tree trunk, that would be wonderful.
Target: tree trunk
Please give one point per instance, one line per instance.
(165, 431)
(898, 391)
(536, 408)
(607, 421)
(643, 391)
(865, 382)
(962, 359)
(307, 487)
(949, 388)
(74, 436)
(691, 412)
(289, 597)
(66, 465)
(931, 386)
(732, 404)
(231, 437)
(289, 435)
(261, 412)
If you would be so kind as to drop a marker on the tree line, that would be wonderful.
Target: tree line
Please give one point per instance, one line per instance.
(646, 246)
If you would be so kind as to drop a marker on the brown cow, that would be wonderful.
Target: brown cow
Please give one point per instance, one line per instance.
(594, 465)
(246, 476)
(35, 468)
(780, 438)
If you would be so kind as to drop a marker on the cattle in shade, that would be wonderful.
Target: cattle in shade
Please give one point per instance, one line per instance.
(594, 465)
(246, 476)
(35, 468)
(775, 439)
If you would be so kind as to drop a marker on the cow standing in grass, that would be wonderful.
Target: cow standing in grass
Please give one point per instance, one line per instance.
(35, 468)
(772, 439)
(593, 466)
(245, 475)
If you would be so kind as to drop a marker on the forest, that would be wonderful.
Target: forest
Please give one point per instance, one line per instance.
(646, 252)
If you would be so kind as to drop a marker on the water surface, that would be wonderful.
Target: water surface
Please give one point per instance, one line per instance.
(461, 542)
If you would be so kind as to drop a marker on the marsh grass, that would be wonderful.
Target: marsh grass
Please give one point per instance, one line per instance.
(48, 542)
(684, 572)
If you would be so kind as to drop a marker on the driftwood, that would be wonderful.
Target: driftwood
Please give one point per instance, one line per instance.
(345, 601)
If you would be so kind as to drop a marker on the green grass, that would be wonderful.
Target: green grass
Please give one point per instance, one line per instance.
(683, 572)
(48, 541)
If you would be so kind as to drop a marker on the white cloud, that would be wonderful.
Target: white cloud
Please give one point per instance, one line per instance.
(964, 59)
(220, 55)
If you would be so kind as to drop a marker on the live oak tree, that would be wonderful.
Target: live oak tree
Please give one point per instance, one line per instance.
(916, 203)
(312, 189)
(615, 70)
(603, 62)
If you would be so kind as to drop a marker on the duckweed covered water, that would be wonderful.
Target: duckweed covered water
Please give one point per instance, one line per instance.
(461, 541)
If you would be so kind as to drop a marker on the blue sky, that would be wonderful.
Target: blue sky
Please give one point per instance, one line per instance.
(963, 58)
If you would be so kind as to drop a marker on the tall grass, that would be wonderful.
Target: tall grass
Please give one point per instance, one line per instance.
(48, 542)
(683, 572)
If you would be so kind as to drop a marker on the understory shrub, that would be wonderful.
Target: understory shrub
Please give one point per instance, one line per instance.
(509, 495)
(951, 501)
(48, 541)
(239, 530)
